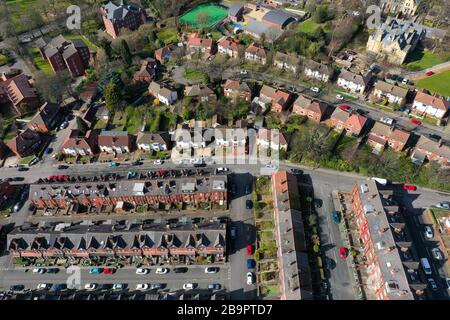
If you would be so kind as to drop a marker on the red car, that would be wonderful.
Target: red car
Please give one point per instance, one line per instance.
(429, 73)
(249, 250)
(52, 177)
(409, 187)
(344, 107)
(108, 270)
(416, 122)
(343, 253)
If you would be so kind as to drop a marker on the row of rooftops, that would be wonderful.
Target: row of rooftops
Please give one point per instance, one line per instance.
(382, 219)
(123, 188)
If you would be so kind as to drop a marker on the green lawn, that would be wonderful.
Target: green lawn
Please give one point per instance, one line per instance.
(167, 35)
(420, 60)
(39, 62)
(3, 59)
(194, 75)
(309, 26)
(438, 83)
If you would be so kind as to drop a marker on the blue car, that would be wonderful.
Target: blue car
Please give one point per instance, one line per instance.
(48, 151)
(250, 263)
(336, 217)
(96, 270)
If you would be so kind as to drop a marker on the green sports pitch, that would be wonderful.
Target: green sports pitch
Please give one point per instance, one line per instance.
(216, 13)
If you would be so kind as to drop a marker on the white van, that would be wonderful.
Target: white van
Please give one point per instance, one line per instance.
(426, 266)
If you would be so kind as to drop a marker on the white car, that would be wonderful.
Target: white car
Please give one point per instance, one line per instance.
(39, 270)
(189, 286)
(443, 205)
(142, 271)
(158, 161)
(437, 254)
(428, 232)
(43, 286)
(222, 169)
(63, 125)
(388, 121)
(315, 89)
(244, 72)
(90, 286)
(405, 81)
(142, 286)
(339, 97)
(211, 270)
(118, 286)
(162, 270)
(249, 278)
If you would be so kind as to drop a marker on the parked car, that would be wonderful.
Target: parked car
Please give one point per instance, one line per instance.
(443, 205)
(118, 286)
(43, 286)
(243, 72)
(90, 286)
(428, 232)
(344, 107)
(214, 286)
(158, 162)
(222, 170)
(343, 253)
(250, 263)
(23, 169)
(409, 187)
(48, 151)
(248, 204)
(180, 270)
(339, 97)
(249, 278)
(17, 287)
(447, 282)
(63, 167)
(142, 271)
(162, 270)
(17, 206)
(113, 164)
(39, 270)
(189, 286)
(95, 270)
(211, 270)
(429, 73)
(154, 286)
(142, 286)
(109, 270)
(59, 287)
(52, 270)
(437, 254)
(388, 121)
(63, 125)
(416, 122)
(296, 171)
(336, 217)
(137, 163)
(432, 284)
(249, 250)
(233, 232)
(315, 89)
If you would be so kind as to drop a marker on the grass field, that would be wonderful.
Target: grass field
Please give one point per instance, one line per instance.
(309, 26)
(216, 13)
(90, 45)
(425, 59)
(39, 62)
(167, 35)
(438, 83)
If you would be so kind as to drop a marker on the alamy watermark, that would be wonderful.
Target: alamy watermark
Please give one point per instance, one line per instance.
(74, 20)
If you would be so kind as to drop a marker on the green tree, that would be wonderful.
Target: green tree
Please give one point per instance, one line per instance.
(125, 53)
(112, 97)
(106, 45)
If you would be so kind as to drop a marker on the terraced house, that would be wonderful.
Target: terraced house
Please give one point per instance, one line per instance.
(255, 53)
(427, 149)
(353, 82)
(382, 134)
(427, 105)
(314, 110)
(318, 71)
(157, 243)
(392, 93)
(287, 62)
(205, 192)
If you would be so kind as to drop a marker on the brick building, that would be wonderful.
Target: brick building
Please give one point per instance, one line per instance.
(116, 17)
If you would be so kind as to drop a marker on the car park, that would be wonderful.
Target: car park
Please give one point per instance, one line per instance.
(211, 270)
(214, 286)
(189, 286)
(142, 286)
(409, 187)
(162, 270)
(90, 286)
(249, 249)
(437, 254)
(142, 271)
(428, 232)
(432, 284)
(249, 278)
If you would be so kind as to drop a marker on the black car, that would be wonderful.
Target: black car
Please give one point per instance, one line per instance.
(59, 287)
(361, 111)
(296, 171)
(435, 137)
(62, 167)
(180, 270)
(17, 287)
(23, 169)
(18, 179)
(249, 204)
(137, 163)
(52, 270)
(247, 189)
(154, 286)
